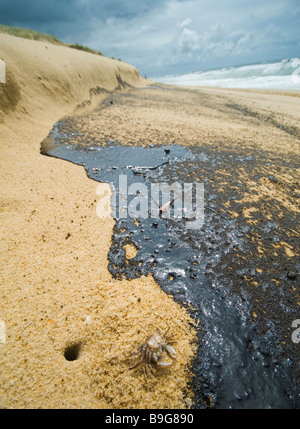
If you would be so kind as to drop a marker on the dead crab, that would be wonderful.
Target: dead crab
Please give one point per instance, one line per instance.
(152, 349)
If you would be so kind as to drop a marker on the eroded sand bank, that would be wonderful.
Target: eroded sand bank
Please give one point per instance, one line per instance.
(55, 286)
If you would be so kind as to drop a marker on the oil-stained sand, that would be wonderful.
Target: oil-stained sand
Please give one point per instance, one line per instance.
(253, 166)
(248, 158)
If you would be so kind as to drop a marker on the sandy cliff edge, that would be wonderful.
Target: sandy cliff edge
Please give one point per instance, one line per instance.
(55, 288)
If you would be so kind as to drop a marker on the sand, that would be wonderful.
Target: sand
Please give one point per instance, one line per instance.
(55, 286)
(56, 290)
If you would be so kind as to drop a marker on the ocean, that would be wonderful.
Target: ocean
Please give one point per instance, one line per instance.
(280, 74)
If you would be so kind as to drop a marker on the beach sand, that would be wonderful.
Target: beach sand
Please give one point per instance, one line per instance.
(58, 299)
(56, 290)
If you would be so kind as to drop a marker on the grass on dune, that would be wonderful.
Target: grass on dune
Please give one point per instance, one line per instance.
(26, 33)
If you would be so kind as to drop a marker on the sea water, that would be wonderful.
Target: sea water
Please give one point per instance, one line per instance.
(282, 74)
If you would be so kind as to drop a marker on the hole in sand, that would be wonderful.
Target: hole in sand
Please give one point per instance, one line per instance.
(72, 351)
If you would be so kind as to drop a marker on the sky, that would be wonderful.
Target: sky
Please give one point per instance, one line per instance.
(164, 37)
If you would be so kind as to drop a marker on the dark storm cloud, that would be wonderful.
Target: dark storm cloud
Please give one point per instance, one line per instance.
(20, 12)
(160, 36)
(72, 20)
(28, 12)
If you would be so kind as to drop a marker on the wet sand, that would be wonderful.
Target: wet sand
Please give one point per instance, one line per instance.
(56, 289)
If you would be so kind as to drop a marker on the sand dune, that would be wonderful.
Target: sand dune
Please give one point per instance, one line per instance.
(42, 78)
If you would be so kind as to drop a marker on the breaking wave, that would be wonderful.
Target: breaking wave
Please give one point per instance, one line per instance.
(281, 74)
